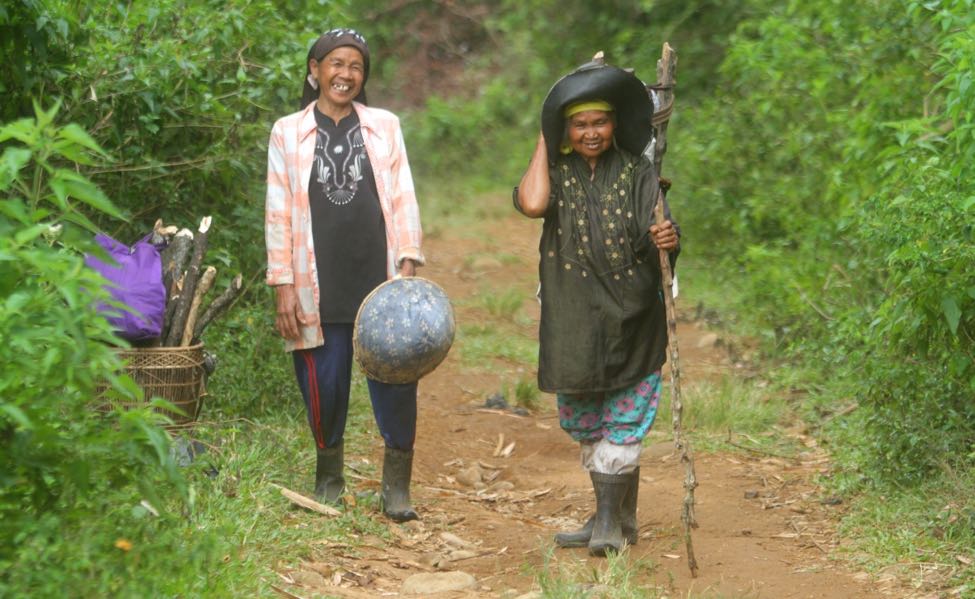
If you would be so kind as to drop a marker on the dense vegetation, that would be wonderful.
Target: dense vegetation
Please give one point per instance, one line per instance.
(822, 148)
(834, 175)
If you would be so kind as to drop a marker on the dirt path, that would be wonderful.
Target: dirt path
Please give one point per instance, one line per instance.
(765, 531)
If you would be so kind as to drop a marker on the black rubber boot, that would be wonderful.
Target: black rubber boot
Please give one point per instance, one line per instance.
(329, 481)
(397, 471)
(576, 538)
(628, 523)
(607, 529)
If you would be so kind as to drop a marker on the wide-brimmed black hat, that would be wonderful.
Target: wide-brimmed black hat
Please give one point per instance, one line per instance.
(598, 81)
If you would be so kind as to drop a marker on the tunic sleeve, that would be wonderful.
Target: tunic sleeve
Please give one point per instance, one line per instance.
(646, 192)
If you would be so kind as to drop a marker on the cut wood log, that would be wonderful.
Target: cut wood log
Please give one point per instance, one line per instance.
(172, 298)
(175, 255)
(192, 277)
(202, 288)
(161, 234)
(157, 237)
(219, 305)
(666, 67)
(174, 258)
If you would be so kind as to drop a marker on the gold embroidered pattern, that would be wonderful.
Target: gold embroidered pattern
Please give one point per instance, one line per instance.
(607, 217)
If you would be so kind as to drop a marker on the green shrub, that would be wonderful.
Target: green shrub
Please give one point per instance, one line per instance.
(833, 179)
(181, 94)
(61, 459)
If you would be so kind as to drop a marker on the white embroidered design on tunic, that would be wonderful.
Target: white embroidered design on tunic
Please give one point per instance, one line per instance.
(340, 175)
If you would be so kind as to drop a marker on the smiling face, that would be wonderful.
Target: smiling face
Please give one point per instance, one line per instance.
(591, 133)
(340, 75)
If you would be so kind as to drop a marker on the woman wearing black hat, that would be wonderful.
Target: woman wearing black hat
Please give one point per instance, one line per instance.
(341, 217)
(603, 332)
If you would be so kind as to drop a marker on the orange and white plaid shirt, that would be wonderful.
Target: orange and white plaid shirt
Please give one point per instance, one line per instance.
(287, 218)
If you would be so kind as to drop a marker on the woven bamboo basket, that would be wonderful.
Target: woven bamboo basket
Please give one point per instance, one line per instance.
(172, 373)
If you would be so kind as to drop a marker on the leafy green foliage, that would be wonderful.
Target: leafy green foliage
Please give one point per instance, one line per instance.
(253, 369)
(833, 175)
(182, 96)
(61, 458)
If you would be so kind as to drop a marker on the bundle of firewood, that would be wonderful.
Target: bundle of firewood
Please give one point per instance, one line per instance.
(187, 283)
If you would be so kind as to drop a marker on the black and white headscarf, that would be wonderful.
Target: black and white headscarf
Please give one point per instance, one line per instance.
(330, 40)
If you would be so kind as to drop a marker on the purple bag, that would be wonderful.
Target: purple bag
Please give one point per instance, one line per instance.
(136, 281)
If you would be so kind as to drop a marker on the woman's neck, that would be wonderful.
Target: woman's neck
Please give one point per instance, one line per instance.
(332, 111)
(592, 162)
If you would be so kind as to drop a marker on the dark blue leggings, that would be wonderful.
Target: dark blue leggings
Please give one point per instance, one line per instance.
(325, 378)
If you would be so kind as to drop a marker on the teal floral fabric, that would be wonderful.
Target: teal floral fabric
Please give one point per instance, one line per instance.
(622, 418)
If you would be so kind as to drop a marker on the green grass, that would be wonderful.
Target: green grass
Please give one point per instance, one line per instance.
(527, 394)
(923, 534)
(480, 344)
(503, 304)
(730, 415)
(619, 577)
(459, 208)
(732, 405)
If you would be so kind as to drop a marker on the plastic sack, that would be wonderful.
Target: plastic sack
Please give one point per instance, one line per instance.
(136, 281)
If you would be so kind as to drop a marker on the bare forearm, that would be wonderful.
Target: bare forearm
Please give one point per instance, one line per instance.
(534, 190)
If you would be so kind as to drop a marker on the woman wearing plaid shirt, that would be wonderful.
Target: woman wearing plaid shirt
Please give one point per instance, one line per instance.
(341, 218)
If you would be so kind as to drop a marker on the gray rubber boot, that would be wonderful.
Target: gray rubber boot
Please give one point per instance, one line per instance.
(397, 472)
(628, 523)
(329, 481)
(607, 529)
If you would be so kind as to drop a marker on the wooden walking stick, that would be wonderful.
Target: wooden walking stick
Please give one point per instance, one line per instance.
(666, 67)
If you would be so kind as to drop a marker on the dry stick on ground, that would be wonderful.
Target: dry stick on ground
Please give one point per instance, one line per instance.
(202, 288)
(666, 67)
(219, 305)
(308, 504)
(189, 285)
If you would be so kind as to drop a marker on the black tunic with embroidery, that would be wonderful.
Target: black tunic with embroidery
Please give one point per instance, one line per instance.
(603, 324)
(348, 228)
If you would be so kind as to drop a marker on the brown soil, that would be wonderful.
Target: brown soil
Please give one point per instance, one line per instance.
(765, 530)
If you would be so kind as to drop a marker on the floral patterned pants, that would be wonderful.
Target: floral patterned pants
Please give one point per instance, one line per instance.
(621, 417)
